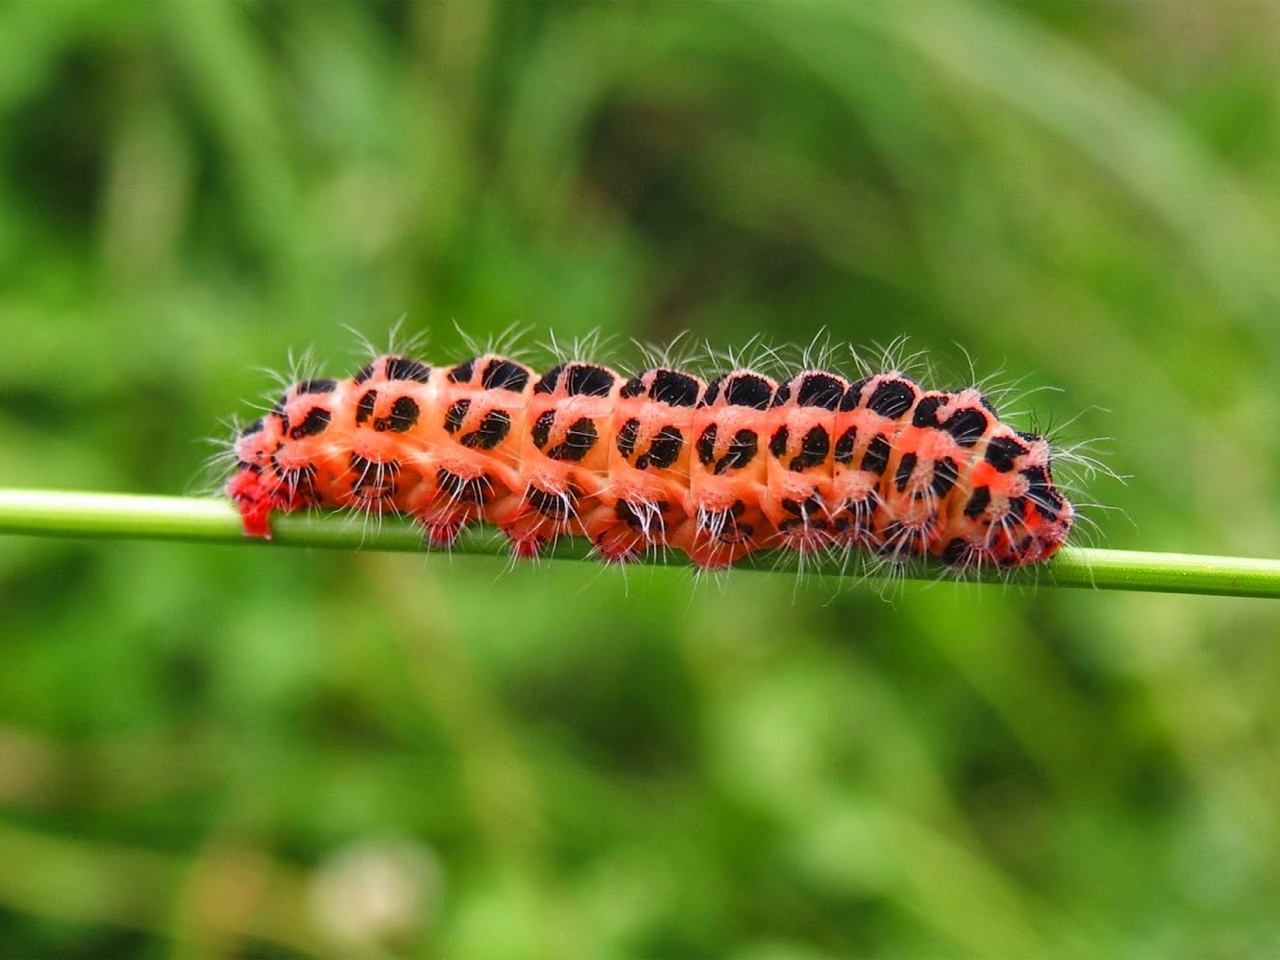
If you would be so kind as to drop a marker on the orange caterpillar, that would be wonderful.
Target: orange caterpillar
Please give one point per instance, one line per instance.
(717, 470)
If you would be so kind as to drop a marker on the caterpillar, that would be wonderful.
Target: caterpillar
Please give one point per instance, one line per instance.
(662, 459)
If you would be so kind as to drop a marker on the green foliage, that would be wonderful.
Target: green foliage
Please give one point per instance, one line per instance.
(212, 751)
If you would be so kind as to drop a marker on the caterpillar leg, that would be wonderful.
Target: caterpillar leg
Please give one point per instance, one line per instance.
(723, 537)
(624, 530)
(536, 518)
(253, 501)
(256, 496)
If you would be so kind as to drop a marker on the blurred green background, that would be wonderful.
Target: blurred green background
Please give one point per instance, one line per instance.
(224, 752)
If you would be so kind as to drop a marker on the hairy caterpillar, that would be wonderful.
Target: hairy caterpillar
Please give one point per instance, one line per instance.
(715, 469)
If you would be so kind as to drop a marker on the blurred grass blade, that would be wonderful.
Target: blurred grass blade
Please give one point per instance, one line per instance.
(1090, 105)
(72, 514)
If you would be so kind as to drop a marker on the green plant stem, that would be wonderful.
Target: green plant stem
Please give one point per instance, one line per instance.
(89, 515)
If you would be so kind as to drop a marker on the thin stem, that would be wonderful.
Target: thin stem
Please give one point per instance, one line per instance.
(87, 515)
